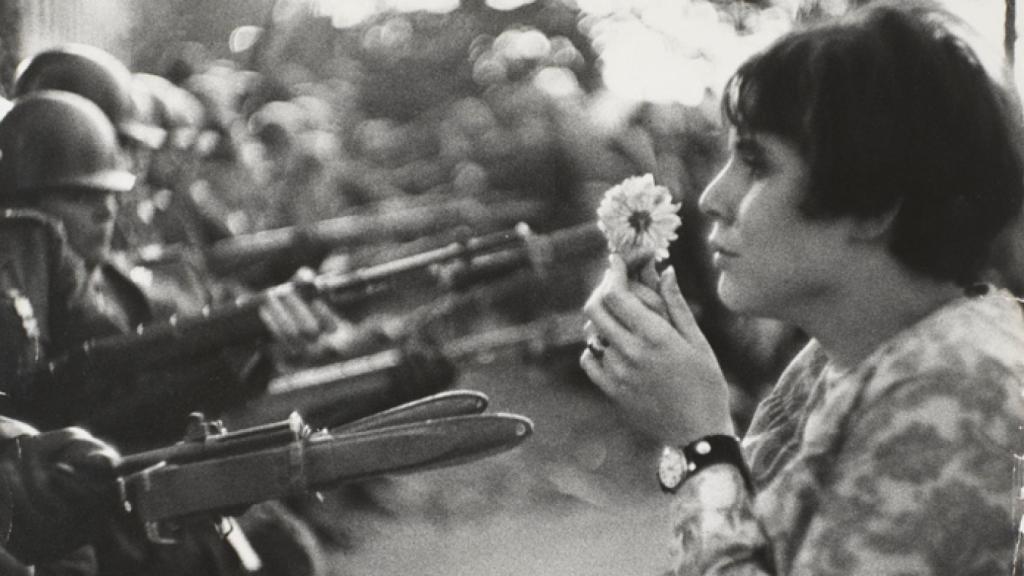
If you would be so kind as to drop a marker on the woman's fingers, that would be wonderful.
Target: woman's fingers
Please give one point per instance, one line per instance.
(605, 327)
(648, 275)
(626, 309)
(678, 310)
(624, 306)
(651, 298)
(624, 312)
(604, 369)
(601, 325)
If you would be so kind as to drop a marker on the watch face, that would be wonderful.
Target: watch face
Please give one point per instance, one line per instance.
(671, 468)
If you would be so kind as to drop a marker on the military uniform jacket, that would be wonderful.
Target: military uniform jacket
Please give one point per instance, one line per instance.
(52, 303)
(41, 281)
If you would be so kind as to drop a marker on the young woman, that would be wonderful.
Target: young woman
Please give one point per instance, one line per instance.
(873, 162)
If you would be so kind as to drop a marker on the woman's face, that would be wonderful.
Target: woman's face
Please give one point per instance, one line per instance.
(772, 260)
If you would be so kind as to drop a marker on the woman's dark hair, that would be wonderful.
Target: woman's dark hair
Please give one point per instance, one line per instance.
(893, 111)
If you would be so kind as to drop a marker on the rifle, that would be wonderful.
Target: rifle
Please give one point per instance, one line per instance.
(205, 439)
(299, 245)
(215, 471)
(374, 380)
(415, 374)
(468, 262)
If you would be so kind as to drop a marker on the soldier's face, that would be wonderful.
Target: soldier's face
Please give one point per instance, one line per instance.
(136, 158)
(88, 217)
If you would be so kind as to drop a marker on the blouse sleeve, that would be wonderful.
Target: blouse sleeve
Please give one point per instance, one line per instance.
(715, 532)
(922, 483)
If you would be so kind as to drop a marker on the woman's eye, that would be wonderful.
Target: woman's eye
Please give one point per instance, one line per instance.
(753, 163)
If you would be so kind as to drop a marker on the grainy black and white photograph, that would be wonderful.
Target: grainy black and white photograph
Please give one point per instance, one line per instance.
(511, 288)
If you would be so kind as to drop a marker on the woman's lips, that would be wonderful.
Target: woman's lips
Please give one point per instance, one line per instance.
(720, 256)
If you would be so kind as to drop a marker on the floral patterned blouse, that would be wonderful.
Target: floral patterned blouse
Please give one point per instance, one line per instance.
(903, 465)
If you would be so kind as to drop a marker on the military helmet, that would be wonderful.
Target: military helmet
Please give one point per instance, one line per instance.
(52, 138)
(95, 74)
(175, 109)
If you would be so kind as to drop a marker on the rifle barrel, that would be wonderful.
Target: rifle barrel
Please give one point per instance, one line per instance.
(559, 330)
(336, 373)
(538, 252)
(476, 259)
(335, 394)
(467, 250)
(255, 438)
(159, 343)
(232, 254)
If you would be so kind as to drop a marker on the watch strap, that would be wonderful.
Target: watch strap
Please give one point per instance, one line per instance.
(716, 449)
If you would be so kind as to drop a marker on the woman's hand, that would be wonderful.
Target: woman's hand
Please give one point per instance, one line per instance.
(656, 365)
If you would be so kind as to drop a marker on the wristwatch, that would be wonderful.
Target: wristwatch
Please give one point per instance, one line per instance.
(679, 463)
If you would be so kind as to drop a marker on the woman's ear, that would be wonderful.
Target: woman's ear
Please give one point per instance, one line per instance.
(873, 228)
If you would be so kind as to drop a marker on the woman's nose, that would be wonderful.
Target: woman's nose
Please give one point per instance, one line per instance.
(715, 201)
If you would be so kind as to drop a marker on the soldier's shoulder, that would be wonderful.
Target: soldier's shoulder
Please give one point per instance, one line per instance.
(29, 218)
(35, 243)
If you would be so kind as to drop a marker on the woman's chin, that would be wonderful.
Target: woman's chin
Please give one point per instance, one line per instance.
(736, 297)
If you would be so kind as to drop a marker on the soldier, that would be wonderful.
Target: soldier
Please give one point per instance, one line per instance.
(131, 106)
(56, 481)
(169, 207)
(60, 171)
(60, 163)
(102, 78)
(56, 485)
(99, 76)
(172, 283)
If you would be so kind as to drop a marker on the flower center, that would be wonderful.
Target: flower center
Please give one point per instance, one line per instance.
(640, 220)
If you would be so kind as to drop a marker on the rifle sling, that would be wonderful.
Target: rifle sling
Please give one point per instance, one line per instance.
(321, 461)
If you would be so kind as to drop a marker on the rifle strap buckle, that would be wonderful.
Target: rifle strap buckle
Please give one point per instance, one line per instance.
(297, 482)
(540, 252)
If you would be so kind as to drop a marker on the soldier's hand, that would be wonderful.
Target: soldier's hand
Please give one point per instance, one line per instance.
(306, 329)
(61, 485)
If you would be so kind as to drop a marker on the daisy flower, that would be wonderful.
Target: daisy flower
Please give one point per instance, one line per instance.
(639, 219)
